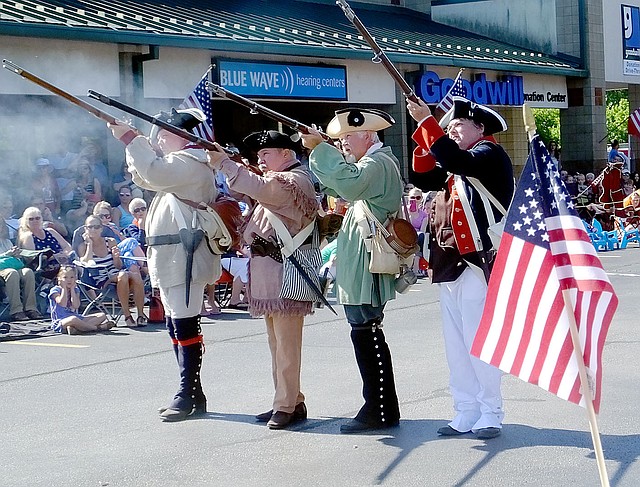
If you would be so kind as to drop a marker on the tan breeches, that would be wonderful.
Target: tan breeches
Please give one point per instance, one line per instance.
(285, 343)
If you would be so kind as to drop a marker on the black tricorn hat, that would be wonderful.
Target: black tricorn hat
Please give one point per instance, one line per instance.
(270, 139)
(463, 108)
(184, 118)
(187, 118)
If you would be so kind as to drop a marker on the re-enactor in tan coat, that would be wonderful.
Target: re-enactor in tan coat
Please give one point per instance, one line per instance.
(287, 191)
(185, 185)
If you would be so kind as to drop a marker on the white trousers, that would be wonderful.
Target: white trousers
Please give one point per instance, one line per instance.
(474, 385)
(173, 300)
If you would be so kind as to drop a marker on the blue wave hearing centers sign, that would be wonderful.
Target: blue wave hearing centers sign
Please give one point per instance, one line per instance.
(283, 80)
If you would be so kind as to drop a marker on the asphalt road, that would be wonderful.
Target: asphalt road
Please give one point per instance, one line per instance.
(81, 410)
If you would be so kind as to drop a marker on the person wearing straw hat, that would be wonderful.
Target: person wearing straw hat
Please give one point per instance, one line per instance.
(461, 253)
(364, 171)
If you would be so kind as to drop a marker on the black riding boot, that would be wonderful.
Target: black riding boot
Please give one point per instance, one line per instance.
(172, 333)
(189, 399)
(174, 341)
(380, 409)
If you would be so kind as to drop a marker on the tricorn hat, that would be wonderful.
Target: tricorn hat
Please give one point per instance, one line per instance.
(270, 139)
(463, 108)
(357, 119)
(184, 118)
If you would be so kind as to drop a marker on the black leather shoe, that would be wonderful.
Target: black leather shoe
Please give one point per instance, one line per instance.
(264, 417)
(449, 431)
(488, 433)
(172, 415)
(280, 420)
(355, 426)
(299, 414)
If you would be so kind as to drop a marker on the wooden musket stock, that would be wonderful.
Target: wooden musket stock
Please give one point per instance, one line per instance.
(57, 91)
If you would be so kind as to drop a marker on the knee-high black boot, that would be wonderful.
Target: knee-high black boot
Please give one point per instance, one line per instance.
(380, 409)
(174, 343)
(190, 398)
(172, 333)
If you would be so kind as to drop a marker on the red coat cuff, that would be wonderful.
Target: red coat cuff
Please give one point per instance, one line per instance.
(128, 137)
(423, 161)
(427, 133)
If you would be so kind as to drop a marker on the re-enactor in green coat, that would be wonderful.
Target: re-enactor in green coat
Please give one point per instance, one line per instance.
(374, 180)
(367, 171)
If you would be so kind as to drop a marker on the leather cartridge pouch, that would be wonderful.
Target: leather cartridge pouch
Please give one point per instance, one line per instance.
(261, 247)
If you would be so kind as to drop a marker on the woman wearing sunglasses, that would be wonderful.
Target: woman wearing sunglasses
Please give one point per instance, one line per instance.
(138, 208)
(103, 254)
(33, 236)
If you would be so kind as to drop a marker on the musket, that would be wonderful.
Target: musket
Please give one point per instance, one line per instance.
(379, 55)
(57, 91)
(256, 108)
(185, 134)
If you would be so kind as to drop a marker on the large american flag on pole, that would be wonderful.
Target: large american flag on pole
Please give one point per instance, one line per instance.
(200, 98)
(544, 250)
(457, 89)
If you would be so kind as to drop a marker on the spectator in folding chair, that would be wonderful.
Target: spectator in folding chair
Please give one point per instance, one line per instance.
(102, 210)
(64, 299)
(138, 208)
(7, 217)
(16, 279)
(33, 236)
(103, 254)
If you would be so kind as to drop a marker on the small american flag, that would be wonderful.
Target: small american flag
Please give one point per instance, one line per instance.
(633, 126)
(457, 89)
(544, 250)
(200, 98)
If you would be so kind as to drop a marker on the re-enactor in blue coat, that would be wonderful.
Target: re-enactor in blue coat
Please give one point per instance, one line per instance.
(461, 251)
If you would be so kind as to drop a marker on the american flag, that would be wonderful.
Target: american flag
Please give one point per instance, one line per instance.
(544, 250)
(633, 126)
(200, 98)
(457, 89)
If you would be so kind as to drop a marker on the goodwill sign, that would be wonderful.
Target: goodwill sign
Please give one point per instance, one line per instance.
(283, 80)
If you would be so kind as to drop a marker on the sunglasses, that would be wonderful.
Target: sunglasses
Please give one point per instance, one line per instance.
(415, 197)
(35, 218)
(95, 227)
(125, 194)
(139, 209)
(105, 215)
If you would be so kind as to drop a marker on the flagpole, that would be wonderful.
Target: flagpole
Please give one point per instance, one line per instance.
(530, 127)
(585, 387)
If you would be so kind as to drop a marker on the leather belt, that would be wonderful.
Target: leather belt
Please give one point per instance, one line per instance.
(156, 240)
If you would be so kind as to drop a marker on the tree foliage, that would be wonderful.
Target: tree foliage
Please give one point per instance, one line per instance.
(548, 123)
(548, 119)
(617, 114)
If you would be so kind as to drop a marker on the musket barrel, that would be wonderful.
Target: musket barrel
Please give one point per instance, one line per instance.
(153, 120)
(379, 54)
(255, 108)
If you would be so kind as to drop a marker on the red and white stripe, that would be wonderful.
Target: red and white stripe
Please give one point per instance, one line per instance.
(634, 123)
(525, 329)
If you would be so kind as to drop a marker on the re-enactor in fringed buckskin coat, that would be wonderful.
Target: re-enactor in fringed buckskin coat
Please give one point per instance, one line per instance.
(367, 172)
(286, 190)
(461, 251)
(179, 217)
